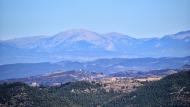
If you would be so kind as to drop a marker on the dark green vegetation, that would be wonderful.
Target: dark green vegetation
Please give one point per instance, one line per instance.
(76, 94)
(173, 90)
(22, 95)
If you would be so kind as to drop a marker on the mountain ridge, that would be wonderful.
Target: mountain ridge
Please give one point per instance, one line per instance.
(106, 66)
(108, 33)
(88, 45)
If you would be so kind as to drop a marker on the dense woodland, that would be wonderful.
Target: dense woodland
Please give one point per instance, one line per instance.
(173, 90)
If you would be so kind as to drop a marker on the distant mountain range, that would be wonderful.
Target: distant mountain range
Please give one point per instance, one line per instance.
(116, 66)
(82, 45)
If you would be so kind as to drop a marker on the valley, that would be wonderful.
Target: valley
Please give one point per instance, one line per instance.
(171, 90)
(115, 67)
(110, 82)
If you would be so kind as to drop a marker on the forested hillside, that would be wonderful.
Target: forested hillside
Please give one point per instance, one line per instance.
(173, 90)
(76, 94)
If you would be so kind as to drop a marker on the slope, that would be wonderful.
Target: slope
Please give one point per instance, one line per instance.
(173, 90)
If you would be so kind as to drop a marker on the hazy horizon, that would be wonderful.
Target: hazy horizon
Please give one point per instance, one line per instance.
(138, 19)
(4, 39)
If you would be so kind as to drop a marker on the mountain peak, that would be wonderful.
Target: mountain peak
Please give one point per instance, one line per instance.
(114, 33)
(77, 31)
(76, 35)
(179, 35)
(183, 32)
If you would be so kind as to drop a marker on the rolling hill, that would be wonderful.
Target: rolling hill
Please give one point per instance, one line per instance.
(171, 91)
(105, 66)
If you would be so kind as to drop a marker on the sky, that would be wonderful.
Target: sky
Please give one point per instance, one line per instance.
(136, 18)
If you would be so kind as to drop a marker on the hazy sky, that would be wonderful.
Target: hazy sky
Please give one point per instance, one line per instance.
(136, 18)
